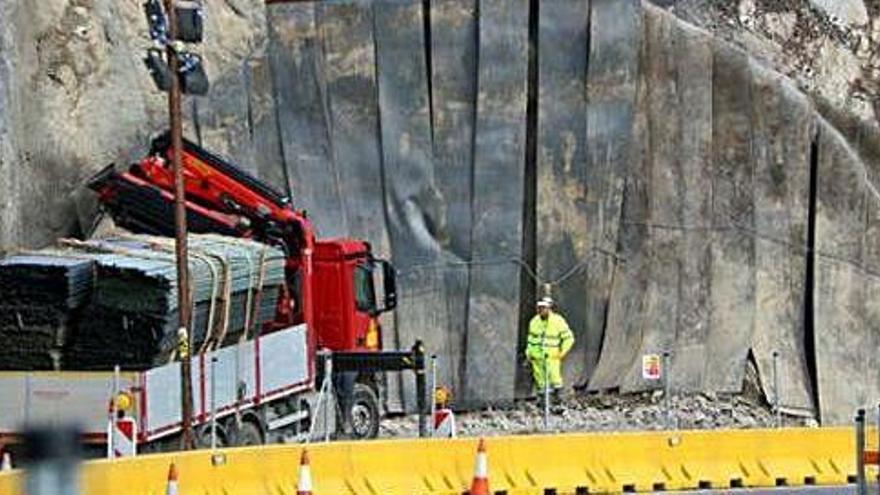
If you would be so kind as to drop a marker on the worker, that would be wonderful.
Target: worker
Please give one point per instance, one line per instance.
(548, 342)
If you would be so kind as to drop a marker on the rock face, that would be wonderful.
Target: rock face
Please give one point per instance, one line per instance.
(673, 191)
(75, 96)
(829, 48)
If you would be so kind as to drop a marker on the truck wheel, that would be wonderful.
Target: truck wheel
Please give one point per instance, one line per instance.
(203, 438)
(248, 434)
(364, 412)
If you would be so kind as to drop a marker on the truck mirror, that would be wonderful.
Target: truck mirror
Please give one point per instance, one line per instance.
(389, 283)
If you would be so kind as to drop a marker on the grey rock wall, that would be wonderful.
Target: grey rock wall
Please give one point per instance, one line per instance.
(829, 48)
(674, 192)
(75, 97)
(674, 205)
(561, 163)
(846, 274)
(9, 198)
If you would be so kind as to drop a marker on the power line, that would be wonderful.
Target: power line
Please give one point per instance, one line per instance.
(418, 268)
(581, 264)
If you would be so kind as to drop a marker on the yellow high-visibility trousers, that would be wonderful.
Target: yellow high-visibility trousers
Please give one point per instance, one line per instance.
(554, 372)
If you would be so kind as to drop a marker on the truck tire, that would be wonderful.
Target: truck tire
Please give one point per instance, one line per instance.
(248, 434)
(364, 412)
(203, 437)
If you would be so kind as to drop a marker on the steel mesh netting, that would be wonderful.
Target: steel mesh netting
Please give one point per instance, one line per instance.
(39, 294)
(59, 281)
(124, 309)
(31, 336)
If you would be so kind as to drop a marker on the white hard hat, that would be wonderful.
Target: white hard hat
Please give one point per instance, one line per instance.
(545, 301)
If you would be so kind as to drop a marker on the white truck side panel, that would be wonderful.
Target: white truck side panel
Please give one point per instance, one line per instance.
(13, 408)
(227, 376)
(283, 368)
(162, 387)
(57, 398)
(82, 399)
(284, 359)
(246, 370)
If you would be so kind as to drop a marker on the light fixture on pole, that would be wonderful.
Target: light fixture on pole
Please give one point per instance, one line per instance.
(158, 68)
(188, 22)
(193, 78)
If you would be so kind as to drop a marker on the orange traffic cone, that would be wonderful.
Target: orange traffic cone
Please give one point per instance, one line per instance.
(480, 484)
(171, 489)
(6, 464)
(304, 485)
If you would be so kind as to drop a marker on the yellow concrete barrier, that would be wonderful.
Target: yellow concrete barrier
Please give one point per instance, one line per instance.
(599, 463)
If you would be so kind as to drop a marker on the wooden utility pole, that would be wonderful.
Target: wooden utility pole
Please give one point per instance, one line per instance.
(183, 303)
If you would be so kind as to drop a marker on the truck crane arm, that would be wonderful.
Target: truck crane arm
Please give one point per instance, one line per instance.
(221, 198)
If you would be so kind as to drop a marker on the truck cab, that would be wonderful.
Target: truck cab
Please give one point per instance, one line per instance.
(345, 295)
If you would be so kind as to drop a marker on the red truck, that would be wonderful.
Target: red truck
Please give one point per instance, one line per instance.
(328, 308)
(331, 282)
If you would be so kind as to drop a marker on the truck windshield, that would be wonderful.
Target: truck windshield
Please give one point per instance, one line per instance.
(364, 290)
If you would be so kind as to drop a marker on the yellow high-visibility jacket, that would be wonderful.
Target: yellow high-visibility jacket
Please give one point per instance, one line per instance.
(551, 337)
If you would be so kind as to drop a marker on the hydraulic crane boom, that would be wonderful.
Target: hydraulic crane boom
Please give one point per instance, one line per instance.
(223, 199)
(219, 193)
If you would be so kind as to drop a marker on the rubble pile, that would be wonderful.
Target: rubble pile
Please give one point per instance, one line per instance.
(613, 412)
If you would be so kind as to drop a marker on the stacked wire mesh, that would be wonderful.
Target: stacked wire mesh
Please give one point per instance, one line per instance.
(128, 312)
(40, 296)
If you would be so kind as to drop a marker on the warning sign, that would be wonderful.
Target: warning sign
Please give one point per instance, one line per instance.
(651, 366)
(123, 438)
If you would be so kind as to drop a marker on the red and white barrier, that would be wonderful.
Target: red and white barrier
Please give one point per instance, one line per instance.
(444, 423)
(122, 438)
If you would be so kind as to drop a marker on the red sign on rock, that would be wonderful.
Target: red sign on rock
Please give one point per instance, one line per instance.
(651, 369)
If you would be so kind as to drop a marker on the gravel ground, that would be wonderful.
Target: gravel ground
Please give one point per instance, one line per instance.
(586, 413)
